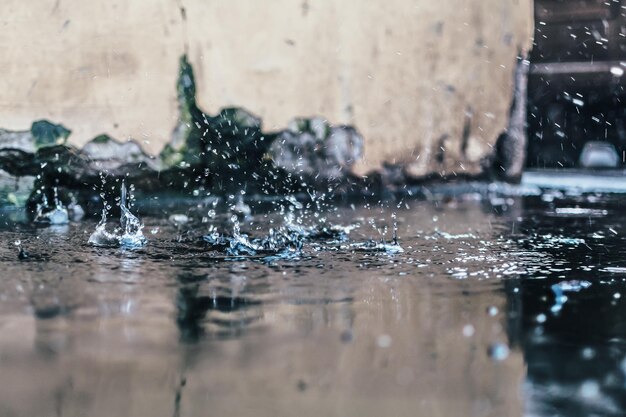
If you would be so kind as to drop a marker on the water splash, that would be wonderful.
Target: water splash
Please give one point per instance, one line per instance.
(281, 242)
(55, 214)
(288, 241)
(132, 235)
(391, 248)
(102, 237)
(128, 236)
(381, 245)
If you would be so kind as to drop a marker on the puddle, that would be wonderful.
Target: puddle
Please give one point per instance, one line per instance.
(350, 310)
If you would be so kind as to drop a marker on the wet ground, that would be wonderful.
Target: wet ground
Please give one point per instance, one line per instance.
(500, 305)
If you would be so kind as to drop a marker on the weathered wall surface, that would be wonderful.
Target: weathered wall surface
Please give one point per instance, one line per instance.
(415, 77)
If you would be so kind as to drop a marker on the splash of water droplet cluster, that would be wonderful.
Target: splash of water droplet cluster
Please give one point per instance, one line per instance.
(128, 236)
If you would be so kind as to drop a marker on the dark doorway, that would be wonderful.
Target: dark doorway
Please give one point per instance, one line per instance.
(576, 97)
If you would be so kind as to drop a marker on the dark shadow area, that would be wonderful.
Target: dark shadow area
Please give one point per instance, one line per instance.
(576, 85)
(574, 347)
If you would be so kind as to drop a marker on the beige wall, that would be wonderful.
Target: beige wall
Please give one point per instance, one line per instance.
(405, 73)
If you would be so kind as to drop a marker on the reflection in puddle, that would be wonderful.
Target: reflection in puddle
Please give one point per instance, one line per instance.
(569, 324)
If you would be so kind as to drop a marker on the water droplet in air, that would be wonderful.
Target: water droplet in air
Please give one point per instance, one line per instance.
(498, 351)
(384, 341)
(468, 330)
(492, 311)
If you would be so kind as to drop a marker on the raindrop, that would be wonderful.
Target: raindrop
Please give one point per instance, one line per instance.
(498, 351)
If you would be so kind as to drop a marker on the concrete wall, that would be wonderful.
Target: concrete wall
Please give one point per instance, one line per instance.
(412, 76)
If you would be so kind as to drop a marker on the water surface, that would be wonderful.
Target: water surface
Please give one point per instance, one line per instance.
(498, 306)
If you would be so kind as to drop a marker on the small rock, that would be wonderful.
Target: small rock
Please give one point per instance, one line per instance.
(14, 190)
(599, 155)
(106, 154)
(41, 134)
(314, 148)
(46, 133)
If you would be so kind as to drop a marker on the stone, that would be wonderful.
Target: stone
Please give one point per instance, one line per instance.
(598, 154)
(18, 161)
(104, 154)
(14, 190)
(41, 134)
(314, 148)
(22, 141)
(46, 133)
